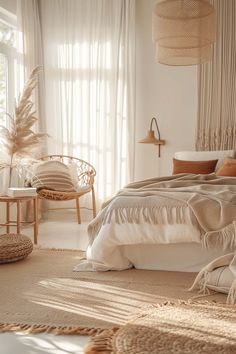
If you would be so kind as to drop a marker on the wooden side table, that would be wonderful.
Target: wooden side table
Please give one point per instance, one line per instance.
(17, 223)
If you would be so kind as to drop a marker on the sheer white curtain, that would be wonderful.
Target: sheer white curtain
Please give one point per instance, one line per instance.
(89, 64)
(29, 53)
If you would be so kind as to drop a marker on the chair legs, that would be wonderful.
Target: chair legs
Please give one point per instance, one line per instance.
(27, 212)
(78, 211)
(93, 202)
(28, 207)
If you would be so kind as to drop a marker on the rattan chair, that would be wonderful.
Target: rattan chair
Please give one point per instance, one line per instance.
(86, 173)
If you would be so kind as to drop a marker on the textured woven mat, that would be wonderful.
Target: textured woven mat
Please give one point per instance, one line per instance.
(180, 328)
(42, 293)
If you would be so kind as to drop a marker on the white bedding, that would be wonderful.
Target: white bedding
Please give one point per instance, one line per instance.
(184, 254)
(107, 253)
(178, 209)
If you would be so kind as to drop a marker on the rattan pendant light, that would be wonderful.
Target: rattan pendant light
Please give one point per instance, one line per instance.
(183, 31)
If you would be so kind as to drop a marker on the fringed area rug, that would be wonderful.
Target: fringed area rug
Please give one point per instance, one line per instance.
(42, 293)
(180, 328)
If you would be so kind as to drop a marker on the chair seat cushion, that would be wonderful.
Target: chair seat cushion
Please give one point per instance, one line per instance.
(14, 247)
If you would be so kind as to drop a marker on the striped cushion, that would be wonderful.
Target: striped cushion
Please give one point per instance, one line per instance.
(53, 175)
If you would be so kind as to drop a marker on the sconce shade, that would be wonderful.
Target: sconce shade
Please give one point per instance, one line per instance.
(150, 138)
(183, 31)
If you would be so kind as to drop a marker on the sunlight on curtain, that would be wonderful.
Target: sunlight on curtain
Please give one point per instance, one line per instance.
(89, 85)
(30, 55)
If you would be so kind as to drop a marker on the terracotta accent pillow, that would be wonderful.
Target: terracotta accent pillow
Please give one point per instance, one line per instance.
(196, 167)
(228, 168)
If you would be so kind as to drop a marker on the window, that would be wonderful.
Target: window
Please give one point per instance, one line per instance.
(7, 63)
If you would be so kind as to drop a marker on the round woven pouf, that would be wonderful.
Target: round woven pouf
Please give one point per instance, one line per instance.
(180, 328)
(14, 247)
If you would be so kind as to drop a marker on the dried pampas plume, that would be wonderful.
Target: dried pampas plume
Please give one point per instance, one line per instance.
(20, 141)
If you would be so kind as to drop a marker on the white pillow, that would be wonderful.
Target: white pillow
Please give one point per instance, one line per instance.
(220, 279)
(219, 275)
(205, 155)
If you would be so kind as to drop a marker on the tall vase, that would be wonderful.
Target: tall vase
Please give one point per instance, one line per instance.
(10, 177)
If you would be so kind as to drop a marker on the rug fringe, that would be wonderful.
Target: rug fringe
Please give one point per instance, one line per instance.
(40, 248)
(101, 343)
(58, 330)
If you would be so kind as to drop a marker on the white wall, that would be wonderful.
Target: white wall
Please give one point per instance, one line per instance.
(166, 92)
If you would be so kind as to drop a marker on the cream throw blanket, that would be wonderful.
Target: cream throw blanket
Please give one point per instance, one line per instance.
(205, 201)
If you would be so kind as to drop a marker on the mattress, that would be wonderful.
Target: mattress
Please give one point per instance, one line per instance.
(179, 257)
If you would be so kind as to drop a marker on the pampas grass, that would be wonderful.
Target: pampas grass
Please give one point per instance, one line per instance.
(19, 142)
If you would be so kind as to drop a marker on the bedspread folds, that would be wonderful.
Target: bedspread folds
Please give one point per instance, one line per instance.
(205, 202)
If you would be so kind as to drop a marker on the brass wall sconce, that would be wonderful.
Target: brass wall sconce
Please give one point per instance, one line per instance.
(151, 139)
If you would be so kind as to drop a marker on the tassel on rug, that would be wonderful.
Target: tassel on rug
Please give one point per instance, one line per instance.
(101, 343)
(231, 299)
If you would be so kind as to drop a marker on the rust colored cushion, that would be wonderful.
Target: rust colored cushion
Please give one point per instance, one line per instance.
(196, 167)
(228, 168)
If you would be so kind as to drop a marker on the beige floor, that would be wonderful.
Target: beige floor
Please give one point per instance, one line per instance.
(59, 231)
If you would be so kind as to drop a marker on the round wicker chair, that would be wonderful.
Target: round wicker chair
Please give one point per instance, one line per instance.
(85, 172)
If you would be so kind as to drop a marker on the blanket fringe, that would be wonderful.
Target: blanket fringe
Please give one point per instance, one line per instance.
(58, 330)
(200, 282)
(155, 215)
(225, 238)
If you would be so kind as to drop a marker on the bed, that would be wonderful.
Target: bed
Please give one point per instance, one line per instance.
(173, 223)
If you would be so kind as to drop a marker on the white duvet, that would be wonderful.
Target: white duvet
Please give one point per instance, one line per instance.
(105, 251)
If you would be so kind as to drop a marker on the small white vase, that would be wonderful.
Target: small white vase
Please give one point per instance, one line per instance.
(16, 180)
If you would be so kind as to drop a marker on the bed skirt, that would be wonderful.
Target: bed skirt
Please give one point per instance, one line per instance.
(178, 257)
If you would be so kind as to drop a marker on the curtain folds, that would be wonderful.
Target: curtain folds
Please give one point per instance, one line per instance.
(216, 126)
(89, 64)
(30, 53)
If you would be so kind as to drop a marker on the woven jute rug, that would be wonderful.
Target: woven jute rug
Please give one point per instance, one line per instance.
(180, 328)
(42, 293)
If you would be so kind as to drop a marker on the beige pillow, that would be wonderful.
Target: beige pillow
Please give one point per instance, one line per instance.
(53, 175)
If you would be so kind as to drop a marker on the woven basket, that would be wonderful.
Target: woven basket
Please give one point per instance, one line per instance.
(14, 247)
